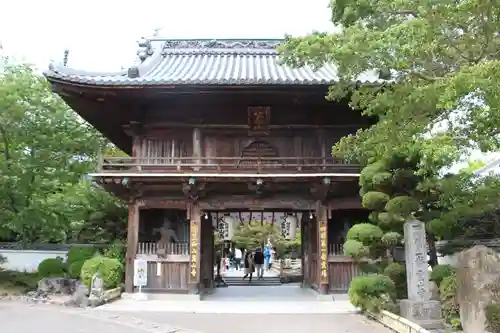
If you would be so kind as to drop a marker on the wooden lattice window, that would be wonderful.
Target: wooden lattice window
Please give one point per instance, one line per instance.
(259, 149)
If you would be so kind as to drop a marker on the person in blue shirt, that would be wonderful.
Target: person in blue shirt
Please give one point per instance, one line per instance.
(267, 254)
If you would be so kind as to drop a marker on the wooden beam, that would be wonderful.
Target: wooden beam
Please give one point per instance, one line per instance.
(132, 239)
(252, 203)
(345, 203)
(170, 125)
(163, 203)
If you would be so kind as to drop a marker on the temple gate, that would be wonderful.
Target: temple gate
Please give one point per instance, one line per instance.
(206, 142)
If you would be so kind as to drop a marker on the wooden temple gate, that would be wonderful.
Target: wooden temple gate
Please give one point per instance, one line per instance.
(188, 266)
(200, 139)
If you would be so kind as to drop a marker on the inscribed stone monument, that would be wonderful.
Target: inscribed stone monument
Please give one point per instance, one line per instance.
(418, 308)
(96, 287)
(478, 270)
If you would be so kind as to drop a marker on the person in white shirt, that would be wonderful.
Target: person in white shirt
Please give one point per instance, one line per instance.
(237, 258)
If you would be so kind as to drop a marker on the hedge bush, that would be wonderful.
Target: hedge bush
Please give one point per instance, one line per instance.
(375, 200)
(75, 269)
(397, 273)
(111, 271)
(366, 233)
(372, 292)
(52, 267)
(492, 313)
(439, 272)
(80, 253)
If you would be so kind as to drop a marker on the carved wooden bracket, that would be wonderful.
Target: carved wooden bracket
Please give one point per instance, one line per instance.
(134, 128)
(259, 189)
(320, 191)
(194, 192)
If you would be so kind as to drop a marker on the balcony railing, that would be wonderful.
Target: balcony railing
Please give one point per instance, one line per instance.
(152, 249)
(292, 165)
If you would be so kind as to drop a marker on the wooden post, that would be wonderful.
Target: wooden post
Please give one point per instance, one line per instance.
(322, 220)
(136, 151)
(132, 239)
(196, 146)
(194, 215)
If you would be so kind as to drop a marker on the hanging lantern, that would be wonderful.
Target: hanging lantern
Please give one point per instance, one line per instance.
(230, 225)
(289, 226)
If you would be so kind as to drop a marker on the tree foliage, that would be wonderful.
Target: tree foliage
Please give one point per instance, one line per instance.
(45, 152)
(432, 63)
(250, 235)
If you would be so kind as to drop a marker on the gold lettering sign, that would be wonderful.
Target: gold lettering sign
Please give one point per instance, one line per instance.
(194, 250)
(323, 240)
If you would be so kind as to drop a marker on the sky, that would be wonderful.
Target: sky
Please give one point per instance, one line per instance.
(102, 35)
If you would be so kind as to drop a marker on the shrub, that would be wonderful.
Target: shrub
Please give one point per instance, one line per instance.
(80, 253)
(111, 271)
(51, 267)
(448, 295)
(75, 269)
(116, 251)
(355, 249)
(372, 292)
(492, 313)
(402, 206)
(22, 281)
(397, 273)
(375, 200)
(366, 233)
(392, 238)
(382, 181)
(440, 272)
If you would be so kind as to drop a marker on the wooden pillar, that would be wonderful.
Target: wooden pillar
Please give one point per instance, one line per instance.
(303, 250)
(132, 239)
(322, 236)
(197, 145)
(194, 215)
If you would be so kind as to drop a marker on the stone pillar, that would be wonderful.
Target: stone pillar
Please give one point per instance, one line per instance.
(194, 215)
(322, 220)
(132, 239)
(418, 308)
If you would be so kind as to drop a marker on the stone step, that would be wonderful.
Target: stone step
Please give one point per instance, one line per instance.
(238, 281)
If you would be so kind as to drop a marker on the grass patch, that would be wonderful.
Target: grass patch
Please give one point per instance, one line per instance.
(12, 282)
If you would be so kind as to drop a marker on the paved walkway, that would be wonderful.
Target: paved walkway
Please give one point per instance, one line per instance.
(18, 317)
(284, 299)
(286, 292)
(25, 318)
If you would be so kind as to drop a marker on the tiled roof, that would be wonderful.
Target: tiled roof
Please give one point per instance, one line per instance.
(205, 62)
(492, 167)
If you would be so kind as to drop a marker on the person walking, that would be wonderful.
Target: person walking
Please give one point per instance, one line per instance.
(249, 266)
(259, 263)
(267, 253)
(237, 258)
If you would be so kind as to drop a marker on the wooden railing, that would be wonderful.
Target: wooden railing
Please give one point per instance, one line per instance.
(295, 165)
(151, 249)
(336, 249)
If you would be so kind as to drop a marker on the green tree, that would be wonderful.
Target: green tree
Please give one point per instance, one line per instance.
(45, 152)
(434, 62)
(473, 165)
(253, 235)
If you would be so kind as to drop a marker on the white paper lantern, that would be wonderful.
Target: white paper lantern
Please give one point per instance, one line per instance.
(230, 224)
(291, 226)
